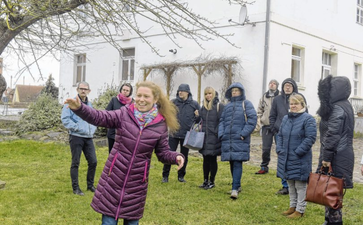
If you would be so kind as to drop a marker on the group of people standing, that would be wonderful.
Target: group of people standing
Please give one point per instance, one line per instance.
(295, 131)
(150, 122)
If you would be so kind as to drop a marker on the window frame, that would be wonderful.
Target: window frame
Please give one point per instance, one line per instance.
(130, 59)
(299, 78)
(359, 16)
(357, 77)
(79, 65)
(326, 64)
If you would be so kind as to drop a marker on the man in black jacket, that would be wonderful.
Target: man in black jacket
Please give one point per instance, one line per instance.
(280, 108)
(188, 111)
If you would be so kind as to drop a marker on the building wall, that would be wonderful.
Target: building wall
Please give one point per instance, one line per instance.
(316, 26)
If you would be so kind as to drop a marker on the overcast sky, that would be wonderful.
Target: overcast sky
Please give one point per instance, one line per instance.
(12, 66)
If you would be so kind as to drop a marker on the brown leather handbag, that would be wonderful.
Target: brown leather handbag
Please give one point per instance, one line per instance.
(325, 189)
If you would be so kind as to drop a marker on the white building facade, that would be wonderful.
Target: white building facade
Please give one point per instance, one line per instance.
(304, 40)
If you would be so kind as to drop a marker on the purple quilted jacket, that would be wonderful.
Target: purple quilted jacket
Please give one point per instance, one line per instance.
(122, 188)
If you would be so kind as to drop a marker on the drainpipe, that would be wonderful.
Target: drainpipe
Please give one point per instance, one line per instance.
(266, 51)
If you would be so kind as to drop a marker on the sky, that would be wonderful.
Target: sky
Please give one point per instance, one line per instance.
(11, 67)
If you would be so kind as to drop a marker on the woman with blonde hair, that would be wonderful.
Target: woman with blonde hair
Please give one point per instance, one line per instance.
(210, 114)
(295, 139)
(140, 127)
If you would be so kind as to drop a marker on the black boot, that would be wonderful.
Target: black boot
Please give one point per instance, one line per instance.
(205, 183)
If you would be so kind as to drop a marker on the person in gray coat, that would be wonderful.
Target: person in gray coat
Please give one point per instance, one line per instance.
(336, 134)
(295, 139)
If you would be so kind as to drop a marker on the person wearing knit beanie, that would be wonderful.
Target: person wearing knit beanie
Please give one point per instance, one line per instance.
(263, 123)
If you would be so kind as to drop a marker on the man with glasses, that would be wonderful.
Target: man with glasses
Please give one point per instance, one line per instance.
(80, 139)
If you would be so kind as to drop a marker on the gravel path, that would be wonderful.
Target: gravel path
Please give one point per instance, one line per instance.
(256, 154)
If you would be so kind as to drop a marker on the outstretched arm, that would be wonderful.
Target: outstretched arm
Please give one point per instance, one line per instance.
(102, 118)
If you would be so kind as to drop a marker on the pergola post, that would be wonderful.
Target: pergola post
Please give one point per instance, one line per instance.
(168, 73)
(147, 72)
(199, 71)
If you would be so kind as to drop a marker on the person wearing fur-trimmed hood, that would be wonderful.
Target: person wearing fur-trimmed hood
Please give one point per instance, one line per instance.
(336, 134)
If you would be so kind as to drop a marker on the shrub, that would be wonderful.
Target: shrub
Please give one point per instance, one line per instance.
(41, 115)
(101, 103)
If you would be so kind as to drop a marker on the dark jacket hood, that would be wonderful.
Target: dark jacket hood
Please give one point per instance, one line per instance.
(228, 94)
(292, 82)
(330, 91)
(184, 87)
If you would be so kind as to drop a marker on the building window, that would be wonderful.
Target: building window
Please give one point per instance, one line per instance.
(357, 79)
(128, 64)
(326, 68)
(360, 11)
(79, 68)
(297, 60)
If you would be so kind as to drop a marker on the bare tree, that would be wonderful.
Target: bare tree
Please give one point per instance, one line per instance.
(41, 27)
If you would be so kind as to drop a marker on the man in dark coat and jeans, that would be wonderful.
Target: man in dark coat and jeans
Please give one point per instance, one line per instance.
(280, 108)
(188, 111)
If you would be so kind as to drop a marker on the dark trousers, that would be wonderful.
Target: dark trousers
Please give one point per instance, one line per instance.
(79, 144)
(110, 141)
(267, 140)
(210, 166)
(173, 144)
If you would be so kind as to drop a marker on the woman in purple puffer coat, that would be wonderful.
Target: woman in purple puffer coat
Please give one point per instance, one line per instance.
(140, 128)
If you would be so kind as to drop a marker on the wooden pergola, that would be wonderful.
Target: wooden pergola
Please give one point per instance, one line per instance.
(200, 68)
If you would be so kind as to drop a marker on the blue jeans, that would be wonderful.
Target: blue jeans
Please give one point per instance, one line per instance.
(236, 171)
(109, 220)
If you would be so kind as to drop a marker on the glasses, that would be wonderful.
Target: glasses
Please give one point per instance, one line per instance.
(83, 89)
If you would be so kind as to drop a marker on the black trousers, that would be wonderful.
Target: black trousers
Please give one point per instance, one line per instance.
(79, 144)
(267, 139)
(111, 141)
(173, 143)
(210, 167)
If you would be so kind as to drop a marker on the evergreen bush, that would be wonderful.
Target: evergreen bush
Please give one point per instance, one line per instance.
(50, 88)
(41, 115)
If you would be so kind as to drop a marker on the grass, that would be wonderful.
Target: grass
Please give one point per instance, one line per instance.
(38, 191)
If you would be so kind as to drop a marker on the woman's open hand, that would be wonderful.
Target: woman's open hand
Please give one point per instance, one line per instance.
(73, 103)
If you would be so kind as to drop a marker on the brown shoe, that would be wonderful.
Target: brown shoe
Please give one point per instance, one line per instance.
(288, 212)
(296, 214)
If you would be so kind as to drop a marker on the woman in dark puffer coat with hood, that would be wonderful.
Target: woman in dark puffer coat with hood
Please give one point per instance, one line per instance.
(210, 113)
(336, 134)
(237, 122)
(140, 128)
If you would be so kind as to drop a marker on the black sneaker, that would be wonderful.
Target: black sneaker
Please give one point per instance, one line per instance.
(181, 179)
(78, 192)
(204, 185)
(283, 191)
(165, 180)
(210, 185)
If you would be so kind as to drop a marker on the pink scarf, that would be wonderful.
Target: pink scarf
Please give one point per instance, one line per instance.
(124, 100)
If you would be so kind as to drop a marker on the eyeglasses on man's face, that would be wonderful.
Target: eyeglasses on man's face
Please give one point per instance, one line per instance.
(83, 89)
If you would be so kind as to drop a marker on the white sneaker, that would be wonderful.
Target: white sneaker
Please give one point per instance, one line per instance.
(234, 194)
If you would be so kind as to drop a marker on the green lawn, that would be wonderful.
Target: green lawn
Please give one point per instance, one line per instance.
(38, 191)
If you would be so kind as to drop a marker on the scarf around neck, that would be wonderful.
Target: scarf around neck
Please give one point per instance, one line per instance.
(123, 99)
(147, 117)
